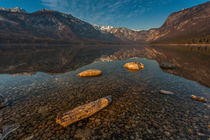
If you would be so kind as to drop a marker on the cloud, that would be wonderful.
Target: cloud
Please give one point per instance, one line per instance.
(60, 5)
(103, 12)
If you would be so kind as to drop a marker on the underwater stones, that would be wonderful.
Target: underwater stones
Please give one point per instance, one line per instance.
(90, 73)
(200, 99)
(3, 102)
(9, 129)
(134, 66)
(83, 133)
(82, 112)
(43, 109)
(193, 97)
(166, 92)
(167, 65)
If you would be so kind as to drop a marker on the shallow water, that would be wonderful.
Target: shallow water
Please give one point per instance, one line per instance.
(137, 111)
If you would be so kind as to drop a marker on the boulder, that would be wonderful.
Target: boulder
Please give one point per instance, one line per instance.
(134, 66)
(167, 65)
(90, 73)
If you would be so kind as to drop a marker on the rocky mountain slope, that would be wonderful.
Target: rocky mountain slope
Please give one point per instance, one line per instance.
(191, 25)
(17, 24)
(124, 34)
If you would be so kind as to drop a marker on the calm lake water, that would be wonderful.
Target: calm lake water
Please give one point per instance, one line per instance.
(41, 84)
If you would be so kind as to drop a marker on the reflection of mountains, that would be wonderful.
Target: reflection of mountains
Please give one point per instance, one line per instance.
(192, 62)
(50, 60)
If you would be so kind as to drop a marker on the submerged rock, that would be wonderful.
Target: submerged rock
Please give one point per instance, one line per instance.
(167, 65)
(3, 102)
(82, 112)
(9, 129)
(134, 66)
(200, 99)
(166, 92)
(90, 73)
(83, 133)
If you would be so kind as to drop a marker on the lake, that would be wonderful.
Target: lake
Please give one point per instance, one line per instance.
(40, 82)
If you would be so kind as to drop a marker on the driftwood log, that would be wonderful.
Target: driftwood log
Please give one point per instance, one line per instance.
(82, 112)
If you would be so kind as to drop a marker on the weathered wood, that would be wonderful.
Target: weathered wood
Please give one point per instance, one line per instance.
(82, 112)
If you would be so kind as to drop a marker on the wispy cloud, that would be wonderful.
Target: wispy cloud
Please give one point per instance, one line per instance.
(102, 12)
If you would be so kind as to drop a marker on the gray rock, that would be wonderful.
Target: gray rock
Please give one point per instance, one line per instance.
(167, 134)
(167, 65)
(166, 92)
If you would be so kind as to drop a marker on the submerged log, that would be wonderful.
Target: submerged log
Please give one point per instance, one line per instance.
(134, 66)
(82, 112)
(90, 73)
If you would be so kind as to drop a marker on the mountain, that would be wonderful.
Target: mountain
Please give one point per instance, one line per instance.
(191, 25)
(123, 33)
(17, 24)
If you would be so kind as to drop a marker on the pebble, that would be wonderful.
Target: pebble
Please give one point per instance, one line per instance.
(167, 133)
(83, 133)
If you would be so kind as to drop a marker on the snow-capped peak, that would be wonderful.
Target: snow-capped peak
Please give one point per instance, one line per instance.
(106, 28)
(137, 30)
(17, 9)
(97, 27)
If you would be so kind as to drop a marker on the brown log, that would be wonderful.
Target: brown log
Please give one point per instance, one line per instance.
(82, 112)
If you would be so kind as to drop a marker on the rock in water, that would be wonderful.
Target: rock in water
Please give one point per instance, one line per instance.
(83, 111)
(167, 65)
(200, 99)
(3, 102)
(90, 73)
(134, 66)
(83, 133)
(166, 92)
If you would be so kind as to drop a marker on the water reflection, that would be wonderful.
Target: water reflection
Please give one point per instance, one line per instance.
(50, 59)
(138, 111)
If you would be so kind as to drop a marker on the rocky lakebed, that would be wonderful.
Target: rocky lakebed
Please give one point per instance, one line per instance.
(138, 109)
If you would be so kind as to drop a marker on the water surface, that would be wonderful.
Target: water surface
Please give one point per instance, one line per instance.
(138, 111)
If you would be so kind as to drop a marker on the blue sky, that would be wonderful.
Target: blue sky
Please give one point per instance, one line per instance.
(133, 14)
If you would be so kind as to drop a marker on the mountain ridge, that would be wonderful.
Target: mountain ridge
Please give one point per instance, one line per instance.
(189, 25)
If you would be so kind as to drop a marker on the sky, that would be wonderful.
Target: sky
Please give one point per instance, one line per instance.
(133, 14)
